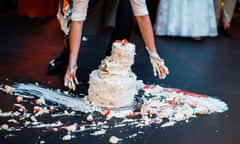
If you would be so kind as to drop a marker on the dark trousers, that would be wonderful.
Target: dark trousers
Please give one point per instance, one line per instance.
(123, 28)
(124, 24)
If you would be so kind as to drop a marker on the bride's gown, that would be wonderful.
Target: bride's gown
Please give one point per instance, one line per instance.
(187, 18)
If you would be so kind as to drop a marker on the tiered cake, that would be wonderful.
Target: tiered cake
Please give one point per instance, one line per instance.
(113, 85)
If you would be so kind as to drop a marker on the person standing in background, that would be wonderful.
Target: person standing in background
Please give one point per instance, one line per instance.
(186, 18)
(224, 14)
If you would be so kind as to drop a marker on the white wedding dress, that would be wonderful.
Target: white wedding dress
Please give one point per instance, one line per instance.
(186, 18)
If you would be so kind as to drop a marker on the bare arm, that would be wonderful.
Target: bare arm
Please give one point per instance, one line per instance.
(75, 41)
(79, 13)
(146, 29)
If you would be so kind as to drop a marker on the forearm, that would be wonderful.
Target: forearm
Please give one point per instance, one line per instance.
(146, 29)
(75, 41)
(79, 13)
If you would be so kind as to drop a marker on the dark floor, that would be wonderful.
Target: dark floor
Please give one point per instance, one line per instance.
(210, 66)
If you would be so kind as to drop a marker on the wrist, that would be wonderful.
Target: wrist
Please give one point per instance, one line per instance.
(151, 49)
(72, 65)
(152, 53)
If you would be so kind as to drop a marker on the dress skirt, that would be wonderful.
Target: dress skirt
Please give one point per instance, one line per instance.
(186, 18)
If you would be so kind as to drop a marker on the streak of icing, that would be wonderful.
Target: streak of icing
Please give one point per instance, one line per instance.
(158, 105)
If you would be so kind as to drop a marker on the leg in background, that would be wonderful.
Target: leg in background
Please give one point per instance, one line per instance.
(59, 63)
(228, 9)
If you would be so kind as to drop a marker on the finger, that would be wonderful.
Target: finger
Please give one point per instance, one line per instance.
(154, 69)
(162, 69)
(154, 66)
(66, 81)
(71, 84)
(166, 70)
(159, 73)
(75, 79)
(163, 76)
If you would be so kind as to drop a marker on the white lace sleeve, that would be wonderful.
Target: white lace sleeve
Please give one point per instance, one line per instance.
(79, 11)
(139, 7)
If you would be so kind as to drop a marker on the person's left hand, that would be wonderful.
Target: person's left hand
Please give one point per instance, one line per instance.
(70, 78)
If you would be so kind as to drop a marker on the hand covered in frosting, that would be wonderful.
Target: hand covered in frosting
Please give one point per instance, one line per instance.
(70, 78)
(159, 67)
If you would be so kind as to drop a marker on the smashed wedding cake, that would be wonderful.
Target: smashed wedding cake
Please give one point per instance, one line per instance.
(113, 84)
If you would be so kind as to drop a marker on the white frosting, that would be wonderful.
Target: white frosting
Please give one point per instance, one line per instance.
(110, 67)
(114, 84)
(112, 93)
(123, 54)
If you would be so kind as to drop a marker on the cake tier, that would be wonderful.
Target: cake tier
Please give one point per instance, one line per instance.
(123, 54)
(108, 66)
(112, 93)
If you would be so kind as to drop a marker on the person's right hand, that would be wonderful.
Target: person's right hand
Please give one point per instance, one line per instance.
(70, 78)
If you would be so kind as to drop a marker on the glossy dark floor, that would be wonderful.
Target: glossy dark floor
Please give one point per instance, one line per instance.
(210, 66)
